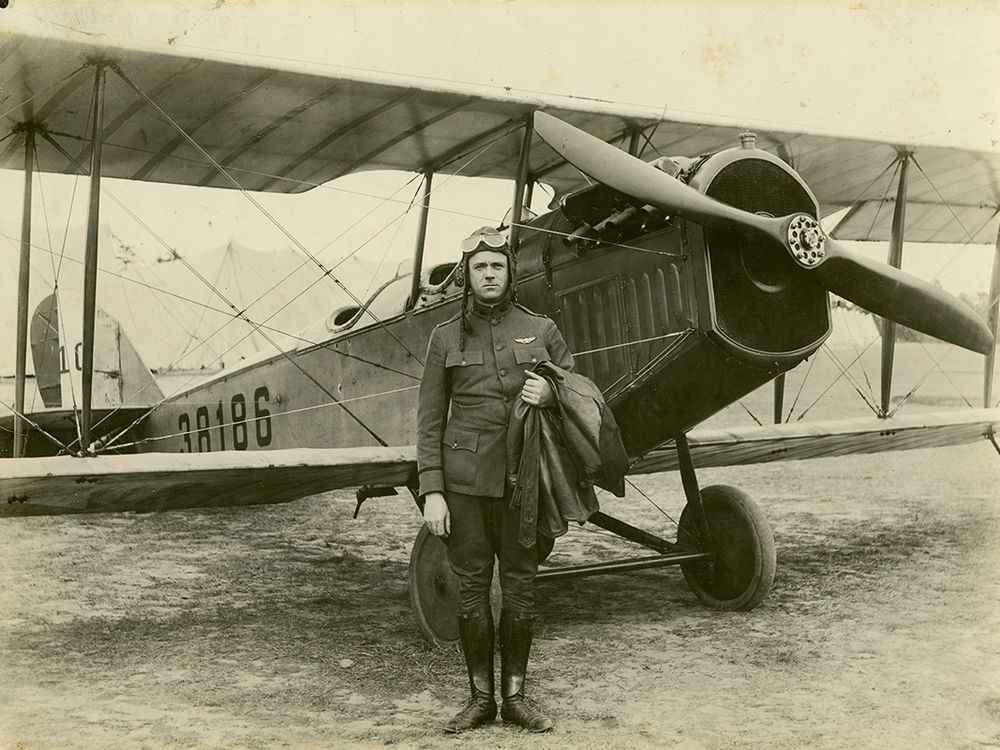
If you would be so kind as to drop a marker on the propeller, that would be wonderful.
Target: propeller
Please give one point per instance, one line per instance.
(877, 287)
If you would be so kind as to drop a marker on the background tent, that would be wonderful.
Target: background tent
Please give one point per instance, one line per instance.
(176, 313)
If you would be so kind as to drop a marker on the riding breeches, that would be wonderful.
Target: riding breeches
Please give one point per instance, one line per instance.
(485, 529)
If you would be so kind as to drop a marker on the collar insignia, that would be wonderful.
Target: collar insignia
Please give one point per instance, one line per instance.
(526, 340)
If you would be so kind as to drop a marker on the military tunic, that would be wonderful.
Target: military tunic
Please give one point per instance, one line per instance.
(466, 396)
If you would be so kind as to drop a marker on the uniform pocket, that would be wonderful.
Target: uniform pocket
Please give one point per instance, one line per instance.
(458, 449)
(463, 359)
(460, 439)
(529, 355)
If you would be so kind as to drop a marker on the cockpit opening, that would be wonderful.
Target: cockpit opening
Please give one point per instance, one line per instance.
(439, 273)
(342, 316)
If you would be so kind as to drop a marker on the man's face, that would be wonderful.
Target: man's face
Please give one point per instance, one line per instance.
(488, 275)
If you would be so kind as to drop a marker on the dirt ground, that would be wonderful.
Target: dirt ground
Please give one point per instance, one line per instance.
(289, 626)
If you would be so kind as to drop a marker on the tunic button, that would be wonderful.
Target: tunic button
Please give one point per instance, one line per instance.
(455, 444)
(499, 347)
(533, 359)
(463, 362)
(506, 399)
(502, 372)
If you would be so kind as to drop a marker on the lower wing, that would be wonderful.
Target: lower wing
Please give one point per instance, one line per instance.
(841, 437)
(166, 481)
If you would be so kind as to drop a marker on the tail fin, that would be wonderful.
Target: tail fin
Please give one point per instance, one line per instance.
(120, 377)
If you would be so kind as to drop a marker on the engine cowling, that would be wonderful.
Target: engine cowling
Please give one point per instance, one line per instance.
(760, 305)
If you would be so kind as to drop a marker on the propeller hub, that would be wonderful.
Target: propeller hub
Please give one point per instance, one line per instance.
(806, 240)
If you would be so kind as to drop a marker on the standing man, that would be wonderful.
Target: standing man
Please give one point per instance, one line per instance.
(477, 365)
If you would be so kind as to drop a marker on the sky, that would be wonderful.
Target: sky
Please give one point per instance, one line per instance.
(927, 72)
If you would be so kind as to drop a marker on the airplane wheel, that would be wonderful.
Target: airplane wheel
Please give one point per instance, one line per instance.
(742, 572)
(433, 589)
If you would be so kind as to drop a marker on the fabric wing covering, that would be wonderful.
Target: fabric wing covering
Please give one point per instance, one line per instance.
(165, 481)
(301, 125)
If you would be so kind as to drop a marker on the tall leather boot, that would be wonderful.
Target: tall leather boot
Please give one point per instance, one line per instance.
(515, 644)
(476, 634)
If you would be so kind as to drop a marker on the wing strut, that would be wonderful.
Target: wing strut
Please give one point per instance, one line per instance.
(779, 398)
(895, 260)
(522, 178)
(992, 320)
(418, 255)
(634, 131)
(23, 277)
(90, 257)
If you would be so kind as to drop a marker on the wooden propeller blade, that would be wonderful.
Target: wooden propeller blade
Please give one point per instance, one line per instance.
(900, 297)
(877, 287)
(627, 174)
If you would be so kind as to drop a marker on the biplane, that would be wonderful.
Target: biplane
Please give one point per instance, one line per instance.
(685, 263)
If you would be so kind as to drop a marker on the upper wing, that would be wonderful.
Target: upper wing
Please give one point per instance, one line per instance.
(285, 128)
(787, 442)
(166, 481)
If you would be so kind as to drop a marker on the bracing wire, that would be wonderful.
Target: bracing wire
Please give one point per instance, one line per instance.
(146, 414)
(169, 249)
(937, 362)
(158, 290)
(798, 394)
(860, 195)
(969, 237)
(339, 189)
(56, 271)
(650, 500)
(203, 309)
(42, 92)
(165, 398)
(278, 225)
(475, 155)
(389, 245)
(31, 423)
(937, 192)
(935, 365)
(223, 298)
(291, 273)
(253, 420)
(752, 415)
(644, 249)
(257, 327)
(843, 374)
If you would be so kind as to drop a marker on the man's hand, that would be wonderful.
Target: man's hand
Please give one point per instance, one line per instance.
(537, 391)
(436, 514)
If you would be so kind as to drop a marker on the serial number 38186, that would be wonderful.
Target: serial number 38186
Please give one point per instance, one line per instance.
(233, 429)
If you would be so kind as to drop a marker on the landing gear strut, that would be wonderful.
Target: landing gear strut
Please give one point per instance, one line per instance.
(724, 546)
(732, 528)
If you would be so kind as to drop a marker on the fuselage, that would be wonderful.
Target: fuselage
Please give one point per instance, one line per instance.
(671, 323)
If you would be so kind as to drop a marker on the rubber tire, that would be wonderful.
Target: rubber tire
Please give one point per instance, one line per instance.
(742, 572)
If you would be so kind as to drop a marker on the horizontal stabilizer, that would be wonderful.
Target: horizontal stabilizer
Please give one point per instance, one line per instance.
(52, 431)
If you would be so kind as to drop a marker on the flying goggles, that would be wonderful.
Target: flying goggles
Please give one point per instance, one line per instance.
(484, 238)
